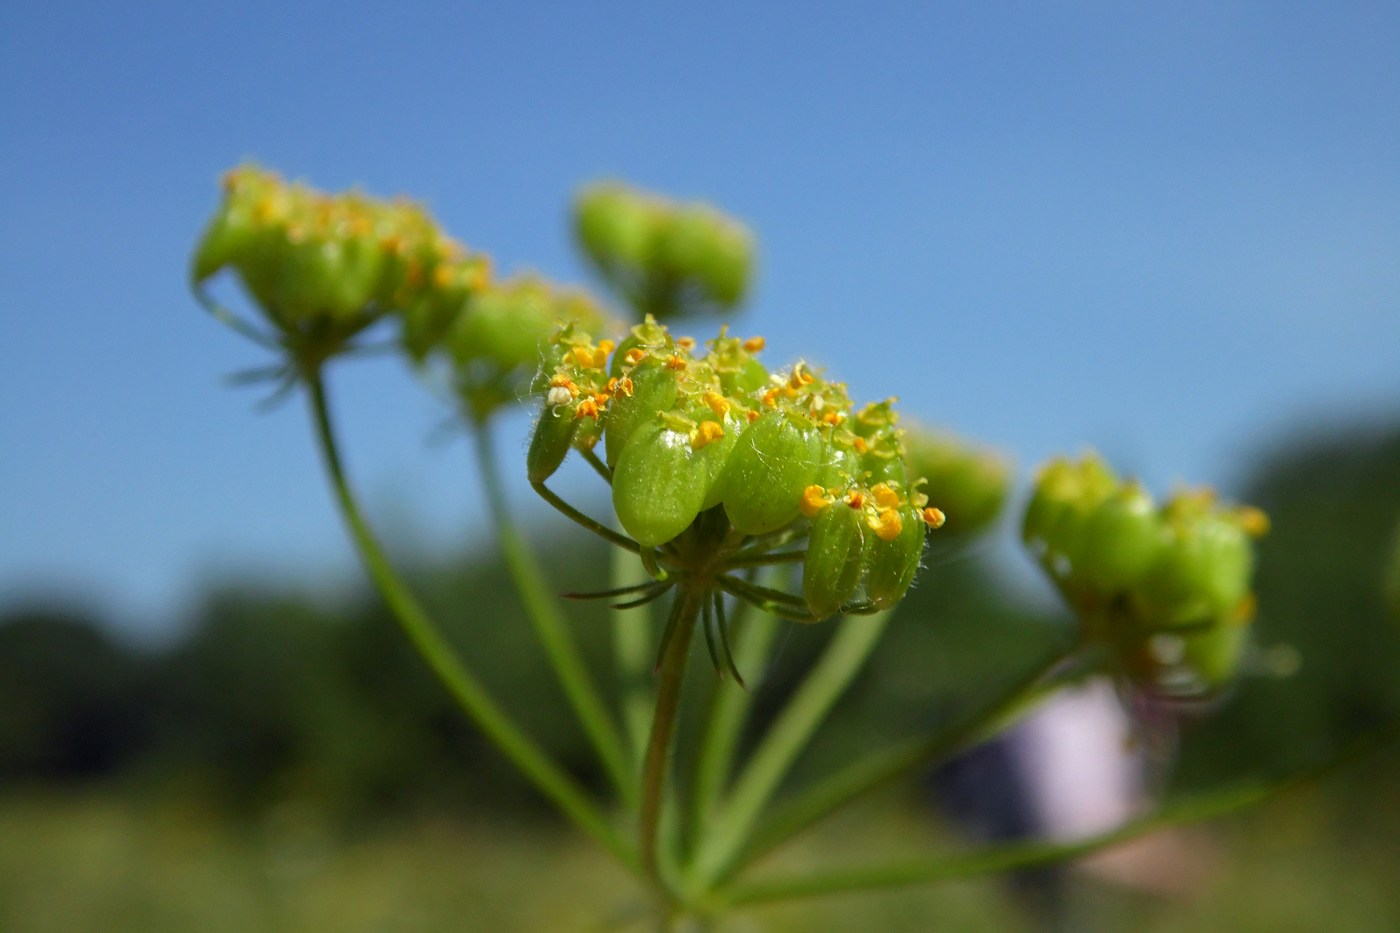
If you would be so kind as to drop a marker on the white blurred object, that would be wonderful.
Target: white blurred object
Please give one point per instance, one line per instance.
(1085, 771)
(1085, 764)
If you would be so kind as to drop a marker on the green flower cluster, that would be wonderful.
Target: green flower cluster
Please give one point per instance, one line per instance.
(664, 257)
(329, 263)
(324, 266)
(1167, 587)
(690, 432)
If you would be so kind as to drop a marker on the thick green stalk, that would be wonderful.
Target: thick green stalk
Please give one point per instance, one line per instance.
(539, 604)
(996, 859)
(670, 674)
(469, 693)
(632, 647)
(726, 836)
(730, 705)
(869, 771)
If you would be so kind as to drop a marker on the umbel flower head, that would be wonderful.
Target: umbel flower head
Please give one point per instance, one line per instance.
(494, 337)
(717, 464)
(1167, 587)
(664, 257)
(321, 267)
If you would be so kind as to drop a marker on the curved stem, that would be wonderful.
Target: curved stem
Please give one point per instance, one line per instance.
(789, 735)
(547, 777)
(577, 683)
(870, 771)
(995, 859)
(574, 515)
(590, 456)
(671, 672)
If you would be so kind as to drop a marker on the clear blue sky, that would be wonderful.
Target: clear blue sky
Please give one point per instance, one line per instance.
(1168, 231)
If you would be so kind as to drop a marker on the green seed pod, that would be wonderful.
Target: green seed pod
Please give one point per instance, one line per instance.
(503, 325)
(228, 234)
(684, 240)
(1214, 654)
(832, 568)
(841, 469)
(615, 226)
(891, 565)
(714, 452)
(1203, 569)
(968, 482)
(658, 485)
(357, 283)
(748, 377)
(235, 228)
(549, 445)
(1121, 540)
(774, 461)
(653, 390)
(727, 265)
(1043, 511)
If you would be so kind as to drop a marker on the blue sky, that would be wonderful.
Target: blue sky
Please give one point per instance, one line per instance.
(1171, 232)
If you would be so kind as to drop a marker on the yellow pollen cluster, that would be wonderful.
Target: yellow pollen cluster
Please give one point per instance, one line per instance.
(616, 387)
(717, 403)
(707, 433)
(1253, 522)
(755, 344)
(886, 524)
(934, 518)
(885, 497)
(814, 499)
(590, 357)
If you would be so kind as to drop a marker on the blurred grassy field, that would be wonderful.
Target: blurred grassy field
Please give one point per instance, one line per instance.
(104, 861)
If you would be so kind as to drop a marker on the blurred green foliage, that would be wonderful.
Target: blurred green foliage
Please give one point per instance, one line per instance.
(270, 697)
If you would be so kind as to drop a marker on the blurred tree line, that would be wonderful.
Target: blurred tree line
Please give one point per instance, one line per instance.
(275, 695)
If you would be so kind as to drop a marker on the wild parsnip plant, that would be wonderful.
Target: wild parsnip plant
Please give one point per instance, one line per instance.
(746, 497)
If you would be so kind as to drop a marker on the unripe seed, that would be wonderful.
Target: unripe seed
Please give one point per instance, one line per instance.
(1122, 539)
(658, 484)
(653, 390)
(615, 226)
(891, 564)
(1203, 569)
(549, 445)
(832, 568)
(774, 460)
(713, 449)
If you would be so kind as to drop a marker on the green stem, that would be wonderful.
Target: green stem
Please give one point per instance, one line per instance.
(547, 777)
(671, 672)
(754, 636)
(632, 647)
(573, 514)
(995, 859)
(577, 683)
(788, 736)
(870, 771)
